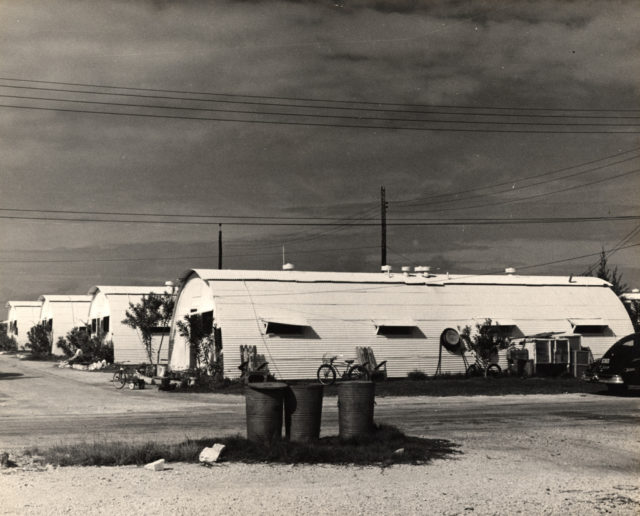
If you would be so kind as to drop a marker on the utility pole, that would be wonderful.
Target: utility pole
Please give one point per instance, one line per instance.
(383, 227)
(219, 246)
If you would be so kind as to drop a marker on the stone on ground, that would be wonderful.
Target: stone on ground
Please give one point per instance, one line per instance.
(211, 455)
(155, 466)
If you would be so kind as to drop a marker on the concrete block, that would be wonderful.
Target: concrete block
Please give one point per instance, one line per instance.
(211, 455)
(155, 466)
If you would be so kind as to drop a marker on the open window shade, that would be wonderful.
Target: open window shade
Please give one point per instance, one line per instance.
(395, 327)
(283, 324)
(589, 326)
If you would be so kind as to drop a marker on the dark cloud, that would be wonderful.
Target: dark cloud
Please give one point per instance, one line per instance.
(538, 54)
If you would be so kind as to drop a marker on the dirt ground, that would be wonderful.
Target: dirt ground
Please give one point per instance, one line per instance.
(566, 454)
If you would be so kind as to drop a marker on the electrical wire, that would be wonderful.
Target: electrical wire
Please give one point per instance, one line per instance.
(303, 99)
(318, 124)
(314, 116)
(173, 258)
(514, 188)
(399, 222)
(536, 196)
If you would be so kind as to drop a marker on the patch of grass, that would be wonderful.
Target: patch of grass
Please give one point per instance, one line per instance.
(375, 449)
(459, 385)
(416, 375)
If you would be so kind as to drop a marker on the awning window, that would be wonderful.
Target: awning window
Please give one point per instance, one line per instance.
(284, 324)
(406, 327)
(276, 328)
(499, 322)
(589, 326)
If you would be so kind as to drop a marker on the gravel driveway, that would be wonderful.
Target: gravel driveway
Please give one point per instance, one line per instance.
(566, 454)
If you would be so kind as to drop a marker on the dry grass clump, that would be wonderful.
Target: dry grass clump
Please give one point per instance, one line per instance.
(386, 445)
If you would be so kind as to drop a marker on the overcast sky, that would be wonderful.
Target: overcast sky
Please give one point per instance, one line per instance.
(400, 56)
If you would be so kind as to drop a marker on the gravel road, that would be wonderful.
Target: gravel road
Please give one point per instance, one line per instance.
(564, 454)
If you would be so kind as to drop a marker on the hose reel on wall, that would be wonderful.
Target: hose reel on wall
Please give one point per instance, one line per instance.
(452, 341)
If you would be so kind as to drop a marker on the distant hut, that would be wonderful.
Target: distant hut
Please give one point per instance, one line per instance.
(106, 312)
(22, 316)
(294, 317)
(62, 313)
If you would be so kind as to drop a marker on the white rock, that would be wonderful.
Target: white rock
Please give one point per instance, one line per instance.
(155, 466)
(399, 451)
(211, 455)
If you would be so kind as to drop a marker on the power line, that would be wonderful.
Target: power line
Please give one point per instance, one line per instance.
(614, 249)
(570, 259)
(409, 202)
(147, 214)
(332, 116)
(337, 101)
(393, 222)
(536, 196)
(173, 258)
(318, 124)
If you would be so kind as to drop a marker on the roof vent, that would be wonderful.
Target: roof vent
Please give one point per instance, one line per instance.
(510, 271)
(423, 269)
(288, 267)
(406, 270)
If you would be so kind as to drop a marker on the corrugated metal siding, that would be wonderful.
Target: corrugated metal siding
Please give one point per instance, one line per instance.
(66, 315)
(27, 316)
(341, 316)
(127, 342)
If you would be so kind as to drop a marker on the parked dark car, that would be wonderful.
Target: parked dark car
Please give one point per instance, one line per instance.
(620, 365)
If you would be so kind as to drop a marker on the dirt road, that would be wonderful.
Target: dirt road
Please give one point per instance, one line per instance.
(571, 454)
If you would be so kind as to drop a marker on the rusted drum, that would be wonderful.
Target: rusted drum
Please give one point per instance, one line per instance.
(303, 412)
(264, 403)
(355, 408)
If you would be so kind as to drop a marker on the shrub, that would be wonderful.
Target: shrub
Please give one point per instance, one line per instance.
(39, 340)
(7, 343)
(94, 348)
(153, 313)
(417, 375)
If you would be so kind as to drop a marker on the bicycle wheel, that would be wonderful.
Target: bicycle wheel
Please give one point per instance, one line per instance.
(119, 379)
(474, 370)
(326, 374)
(358, 372)
(494, 370)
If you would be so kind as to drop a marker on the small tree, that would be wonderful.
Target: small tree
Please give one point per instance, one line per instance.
(206, 349)
(611, 275)
(154, 311)
(39, 340)
(485, 340)
(94, 348)
(7, 343)
(618, 286)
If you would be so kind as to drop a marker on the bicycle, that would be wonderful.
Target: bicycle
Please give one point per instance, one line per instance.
(483, 367)
(127, 376)
(330, 370)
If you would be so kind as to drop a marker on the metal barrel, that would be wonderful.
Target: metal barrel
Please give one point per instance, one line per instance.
(303, 412)
(264, 403)
(355, 408)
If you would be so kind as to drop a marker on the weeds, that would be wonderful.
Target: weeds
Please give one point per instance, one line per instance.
(379, 448)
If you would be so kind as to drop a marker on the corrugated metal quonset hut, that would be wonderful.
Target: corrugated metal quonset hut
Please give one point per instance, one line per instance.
(62, 313)
(106, 312)
(294, 317)
(22, 316)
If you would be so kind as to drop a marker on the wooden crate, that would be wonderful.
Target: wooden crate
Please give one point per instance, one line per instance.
(543, 351)
(580, 357)
(578, 370)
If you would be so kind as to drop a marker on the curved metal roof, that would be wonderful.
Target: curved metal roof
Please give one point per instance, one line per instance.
(383, 277)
